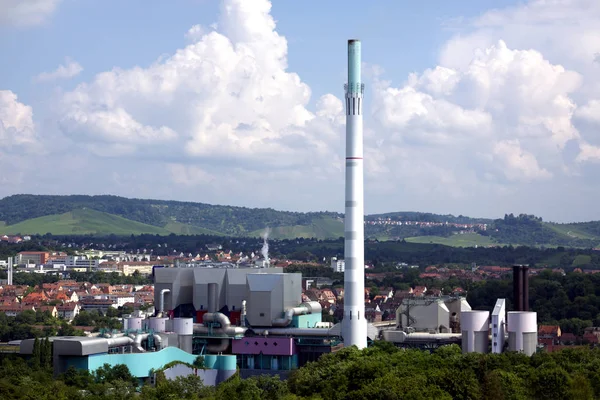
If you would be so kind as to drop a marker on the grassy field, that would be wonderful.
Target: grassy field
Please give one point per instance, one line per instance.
(572, 231)
(582, 259)
(320, 228)
(82, 222)
(184, 229)
(465, 240)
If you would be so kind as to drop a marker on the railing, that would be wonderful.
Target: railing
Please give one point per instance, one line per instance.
(354, 88)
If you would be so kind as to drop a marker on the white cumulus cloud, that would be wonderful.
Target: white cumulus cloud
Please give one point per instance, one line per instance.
(509, 113)
(16, 122)
(67, 70)
(228, 96)
(26, 12)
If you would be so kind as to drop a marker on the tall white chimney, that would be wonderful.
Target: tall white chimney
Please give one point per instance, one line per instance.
(10, 270)
(354, 324)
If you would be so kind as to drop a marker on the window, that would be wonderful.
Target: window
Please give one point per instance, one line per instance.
(262, 314)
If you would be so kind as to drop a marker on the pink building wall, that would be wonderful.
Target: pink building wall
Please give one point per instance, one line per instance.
(268, 346)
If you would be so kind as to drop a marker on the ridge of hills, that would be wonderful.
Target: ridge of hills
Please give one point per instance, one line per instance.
(107, 214)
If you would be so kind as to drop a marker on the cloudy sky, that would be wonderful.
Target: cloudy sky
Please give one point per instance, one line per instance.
(469, 109)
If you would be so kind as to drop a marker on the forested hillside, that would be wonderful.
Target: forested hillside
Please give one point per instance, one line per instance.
(228, 220)
(102, 215)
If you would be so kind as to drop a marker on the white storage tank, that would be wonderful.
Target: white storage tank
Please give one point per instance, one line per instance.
(133, 323)
(475, 327)
(183, 326)
(522, 331)
(158, 324)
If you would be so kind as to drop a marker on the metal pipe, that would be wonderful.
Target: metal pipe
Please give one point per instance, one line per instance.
(223, 321)
(212, 297)
(119, 341)
(157, 341)
(296, 331)
(162, 301)
(354, 323)
(421, 337)
(311, 307)
(137, 342)
(218, 348)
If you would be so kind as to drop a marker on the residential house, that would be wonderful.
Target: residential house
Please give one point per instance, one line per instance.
(419, 291)
(328, 296)
(8, 300)
(589, 337)
(549, 334)
(15, 309)
(312, 294)
(51, 309)
(68, 311)
(568, 338)
(373, 314)
(100, 304)
(35, 298)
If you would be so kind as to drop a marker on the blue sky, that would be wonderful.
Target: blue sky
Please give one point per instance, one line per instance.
(484, 107)
(102, 34)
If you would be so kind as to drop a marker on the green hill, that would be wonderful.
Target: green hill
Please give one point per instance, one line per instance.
(457, 240)
(321, 228)
(100, 215)
(82, 222)
(183, 229)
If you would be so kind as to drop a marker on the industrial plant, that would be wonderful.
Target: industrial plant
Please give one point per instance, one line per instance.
(253, 319)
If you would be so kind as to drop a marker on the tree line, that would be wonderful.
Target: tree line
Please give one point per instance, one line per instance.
(381, 371)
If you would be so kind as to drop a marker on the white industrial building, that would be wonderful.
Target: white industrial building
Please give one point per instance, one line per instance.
(338, 265)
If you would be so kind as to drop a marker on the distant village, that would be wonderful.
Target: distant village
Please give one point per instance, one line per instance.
(66, 298)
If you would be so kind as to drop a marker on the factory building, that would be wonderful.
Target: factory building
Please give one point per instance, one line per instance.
(244, 318)
(431, 322)
(431, 314)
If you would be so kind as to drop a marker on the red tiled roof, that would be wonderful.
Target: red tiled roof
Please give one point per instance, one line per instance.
(548, 329)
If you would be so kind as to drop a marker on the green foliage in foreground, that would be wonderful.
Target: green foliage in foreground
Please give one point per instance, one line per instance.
(380, 372)
(386, 372)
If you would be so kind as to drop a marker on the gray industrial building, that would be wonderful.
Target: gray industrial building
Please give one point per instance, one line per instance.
(270, 294)
(196, 288)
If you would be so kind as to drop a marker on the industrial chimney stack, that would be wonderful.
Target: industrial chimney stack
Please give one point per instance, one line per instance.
(521, 287)
(354, 324)
(10, 270)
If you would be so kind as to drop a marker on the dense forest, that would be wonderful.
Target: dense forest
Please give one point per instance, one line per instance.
(163, 217)
(380, 372)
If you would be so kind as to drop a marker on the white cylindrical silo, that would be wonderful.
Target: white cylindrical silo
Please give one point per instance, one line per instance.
(522, 331)
(157, 324)
(183, 326)
(133, 323)
(475, 327)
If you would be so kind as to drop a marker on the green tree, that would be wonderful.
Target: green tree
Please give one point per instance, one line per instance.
(36, 355)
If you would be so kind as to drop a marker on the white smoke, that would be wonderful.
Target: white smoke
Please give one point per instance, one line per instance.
(265, 247)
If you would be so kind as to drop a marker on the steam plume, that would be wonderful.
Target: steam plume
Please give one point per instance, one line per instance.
(265, 247)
